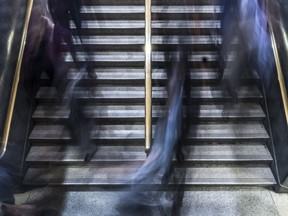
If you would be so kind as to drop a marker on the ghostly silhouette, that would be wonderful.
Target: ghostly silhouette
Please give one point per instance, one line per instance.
(243, 22)
(169, 128)
(46, 35)
(79, 124)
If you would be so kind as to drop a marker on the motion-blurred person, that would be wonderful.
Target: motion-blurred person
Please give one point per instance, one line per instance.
(43, 53)
(157, 167)
(248, 28)
(62, 11)
(78, 122)
(229, 19)
(8, 178)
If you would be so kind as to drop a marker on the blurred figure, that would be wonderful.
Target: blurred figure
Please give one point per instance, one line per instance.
(7, 200)
(61, 12)
(79, 124)
(243, 22)
(6, 184)
(229, 20)
(169, 129)
(27, 210)
(157, 168)
(43, 53)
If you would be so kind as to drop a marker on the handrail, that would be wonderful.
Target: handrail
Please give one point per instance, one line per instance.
(277, 59)
(279, 72)
(15, 81)
(148, 77)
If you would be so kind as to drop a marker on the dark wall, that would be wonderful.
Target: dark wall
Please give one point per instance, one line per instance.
(277, 123)
(278, 126)
(12, 17)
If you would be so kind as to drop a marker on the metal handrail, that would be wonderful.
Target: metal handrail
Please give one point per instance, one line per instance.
(148, 77)
(15, 81)
(277, 59)
(279, 71)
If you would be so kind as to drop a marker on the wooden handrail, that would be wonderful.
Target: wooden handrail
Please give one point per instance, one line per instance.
(13, 94)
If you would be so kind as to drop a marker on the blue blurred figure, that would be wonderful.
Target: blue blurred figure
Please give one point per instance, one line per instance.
(244, 33)
(169, 136)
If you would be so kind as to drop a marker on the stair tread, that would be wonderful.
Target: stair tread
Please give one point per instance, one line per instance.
(186, 9)
(155, 9)
(240, 110)
(131, 56)
(197, 153)
(200, 131)
(122, 174)
(136, 24)
(139, 74)
(117, 92)
(134, 39)
(118, 9)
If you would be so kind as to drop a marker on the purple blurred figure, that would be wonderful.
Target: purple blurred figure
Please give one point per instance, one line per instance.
(79, 124)
(43, 53)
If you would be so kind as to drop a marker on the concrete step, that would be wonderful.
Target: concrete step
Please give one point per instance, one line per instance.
(201, 132)
(180, 24)
(122, 175)
(103, 133)
(217, 112)
(136, 24)
(137, 12)
(212, 93)
(118, 9)
(154, 3)
(137, 75)
(224, 153)
(205, 74)
(185, 2)
(111, 2)
(198, 59)
(118, 94)
(136, 43)
(228, 131)
(176, 9)
(140, 39)
(135, 56)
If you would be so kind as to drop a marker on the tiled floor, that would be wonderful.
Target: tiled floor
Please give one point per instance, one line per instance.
(198, 202)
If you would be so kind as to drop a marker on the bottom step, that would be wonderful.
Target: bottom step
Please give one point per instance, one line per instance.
(121, 175)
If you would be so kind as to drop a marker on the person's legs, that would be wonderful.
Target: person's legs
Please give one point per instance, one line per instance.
(6, 195)
(80, 127)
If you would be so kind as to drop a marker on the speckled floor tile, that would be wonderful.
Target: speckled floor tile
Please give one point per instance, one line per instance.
(198, 202)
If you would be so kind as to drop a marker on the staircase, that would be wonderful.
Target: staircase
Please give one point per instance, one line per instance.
(226, 145)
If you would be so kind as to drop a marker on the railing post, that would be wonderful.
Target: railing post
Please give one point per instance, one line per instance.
(148, 77)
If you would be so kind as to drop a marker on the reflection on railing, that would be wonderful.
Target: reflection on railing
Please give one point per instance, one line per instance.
(148, 77)
(15, 82)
